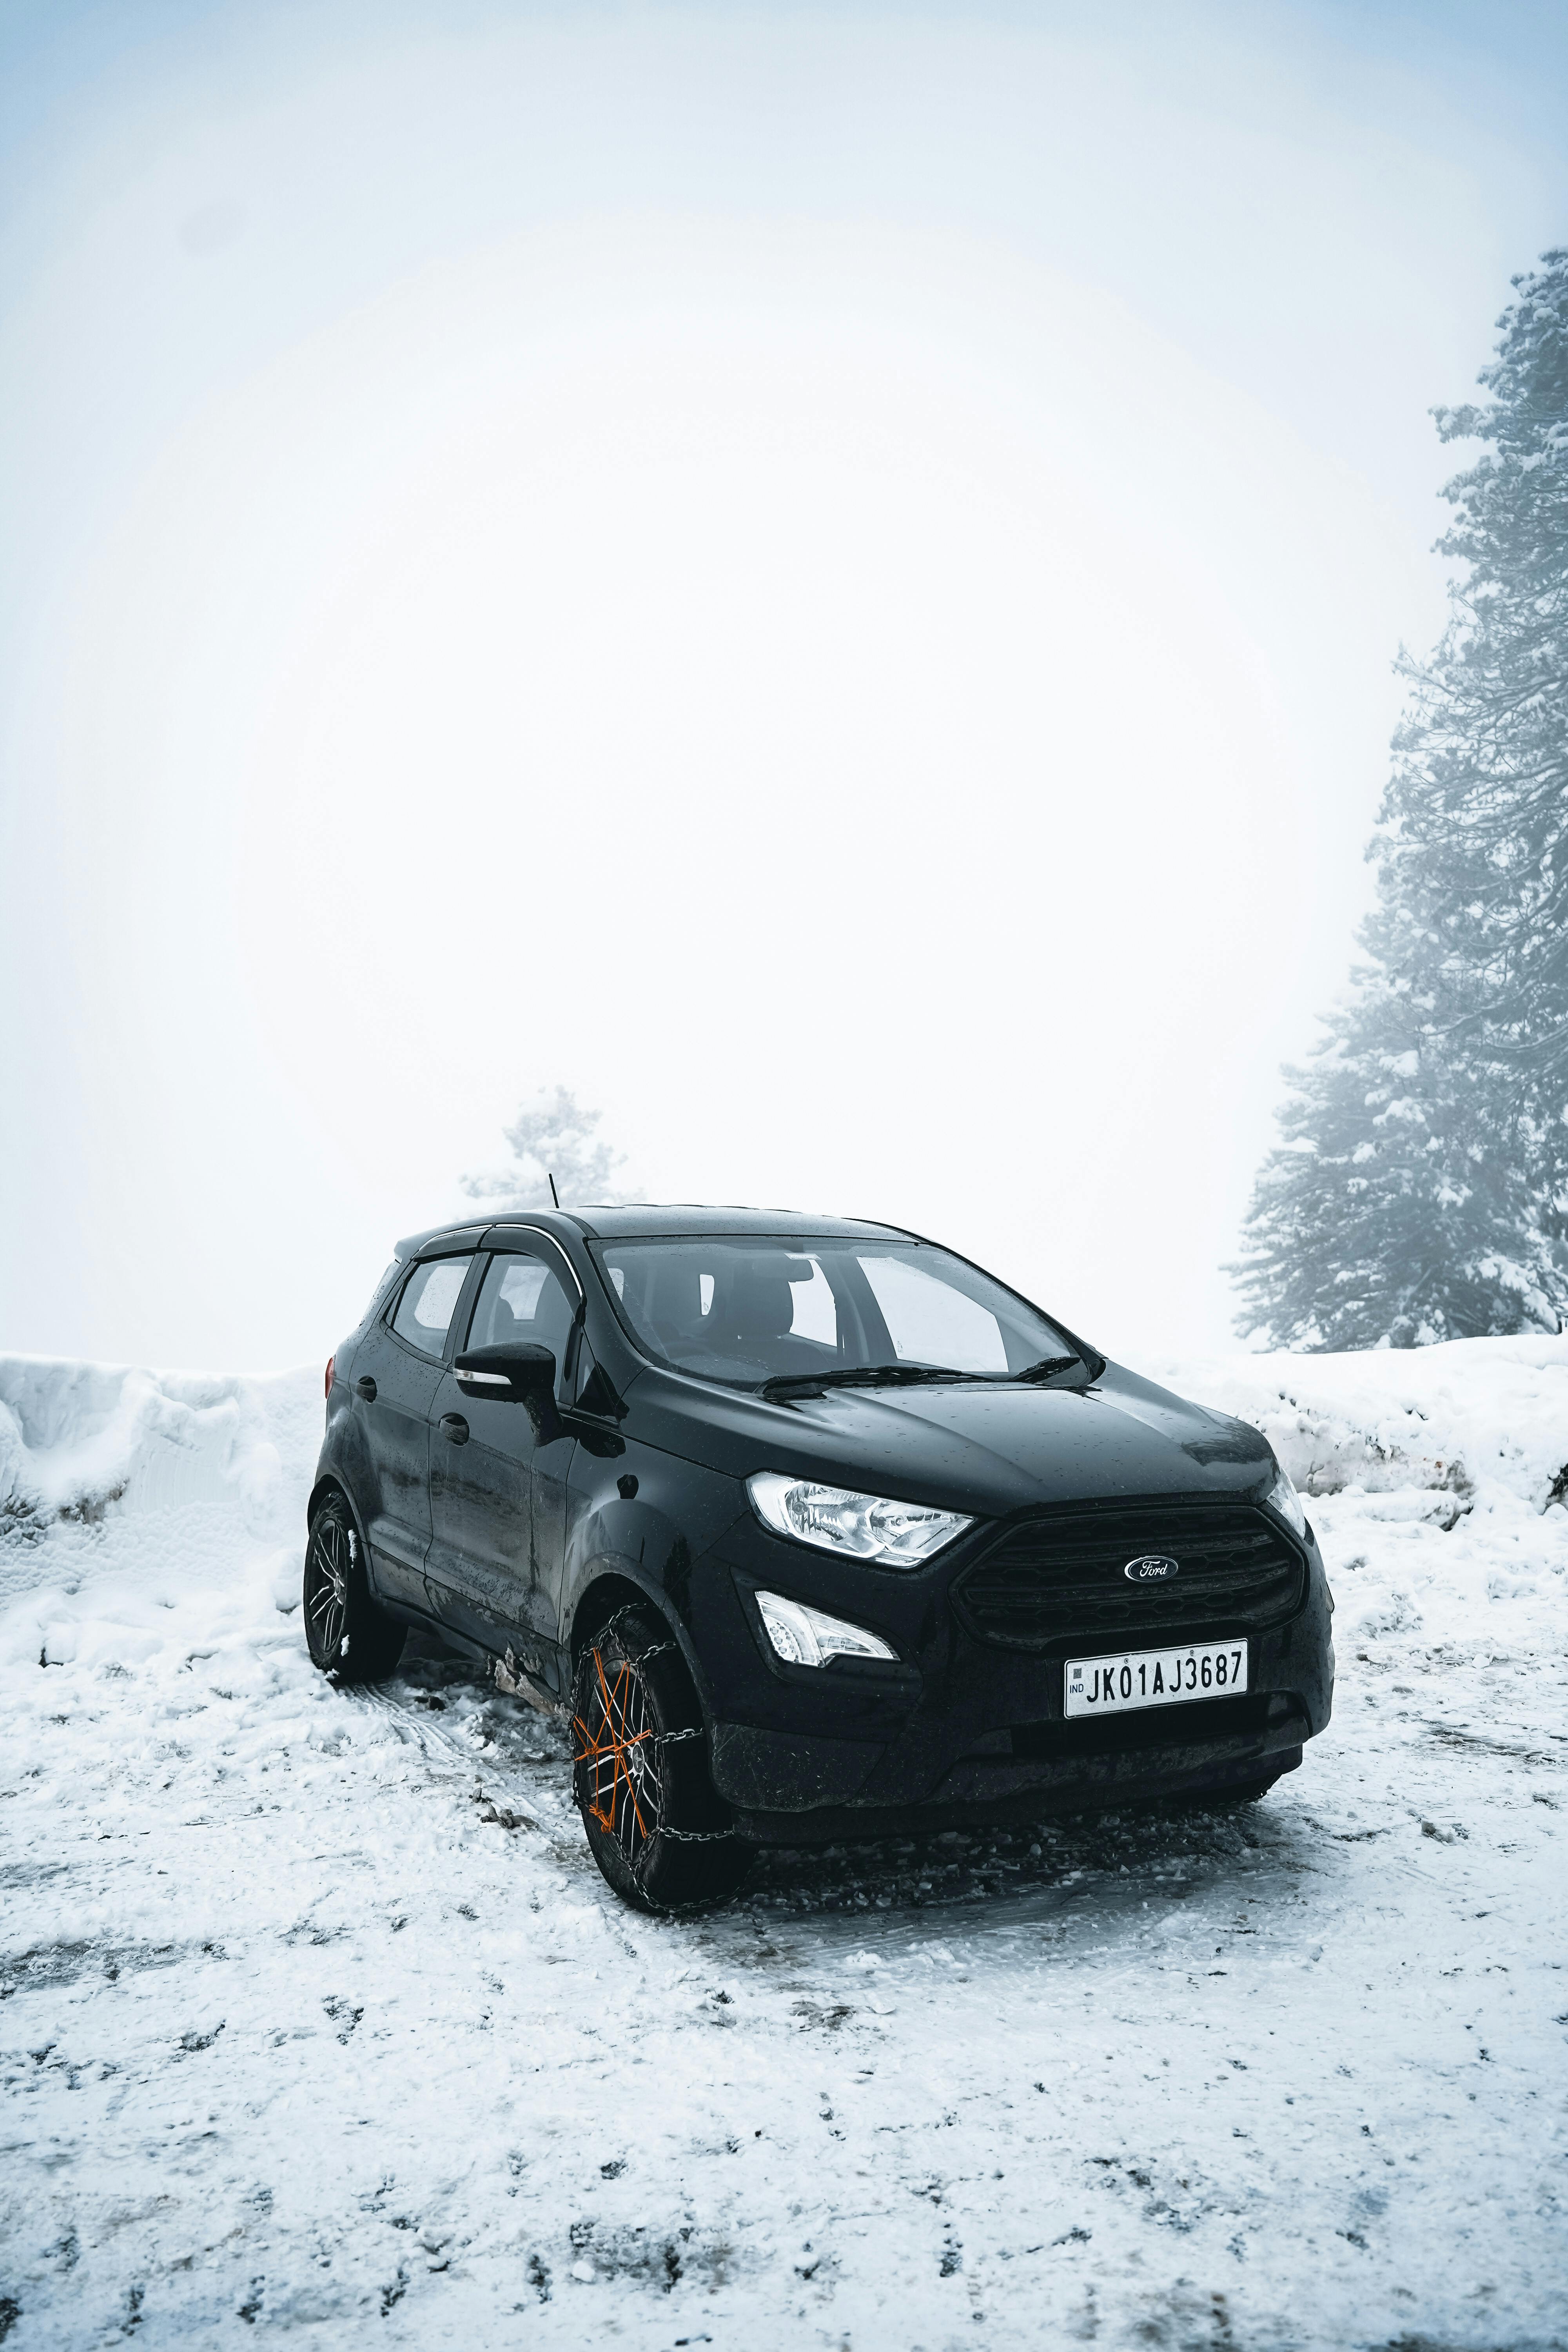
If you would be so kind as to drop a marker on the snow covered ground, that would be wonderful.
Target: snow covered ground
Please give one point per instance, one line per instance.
(315, 2017)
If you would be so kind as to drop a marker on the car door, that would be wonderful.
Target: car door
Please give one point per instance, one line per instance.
(396, 1370)
(497, 1489)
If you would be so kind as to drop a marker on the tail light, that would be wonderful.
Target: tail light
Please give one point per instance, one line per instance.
(327, 1388)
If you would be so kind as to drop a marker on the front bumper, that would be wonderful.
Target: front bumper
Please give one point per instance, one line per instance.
(964, 1731)
(980, 1791)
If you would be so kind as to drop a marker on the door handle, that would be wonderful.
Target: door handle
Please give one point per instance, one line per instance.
(365, 1387)
(454, 1426)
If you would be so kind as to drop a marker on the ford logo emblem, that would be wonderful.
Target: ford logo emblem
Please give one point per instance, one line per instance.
(1151, 1567)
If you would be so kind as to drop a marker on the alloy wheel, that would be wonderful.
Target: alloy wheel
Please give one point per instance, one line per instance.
(327, 1600)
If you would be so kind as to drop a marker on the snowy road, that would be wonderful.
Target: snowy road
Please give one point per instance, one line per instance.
(317, 2018)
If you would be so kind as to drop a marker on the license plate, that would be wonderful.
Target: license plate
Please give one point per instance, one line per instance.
(1154, 1677)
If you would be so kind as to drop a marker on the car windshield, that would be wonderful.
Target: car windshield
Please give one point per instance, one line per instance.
(758, 1311)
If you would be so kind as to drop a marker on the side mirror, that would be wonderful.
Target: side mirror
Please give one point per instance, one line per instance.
(517, 1372)
(513, 1373)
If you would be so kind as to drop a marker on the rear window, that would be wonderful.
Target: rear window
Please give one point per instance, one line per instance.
(424, 1310)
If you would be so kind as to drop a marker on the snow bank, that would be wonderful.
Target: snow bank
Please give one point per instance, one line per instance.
(1483, 1417)
(129, 1485)
(1439, 1481)
(1440, 1476)
(122, 1488)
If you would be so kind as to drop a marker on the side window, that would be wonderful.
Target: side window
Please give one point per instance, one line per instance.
(521, 1298)
(425, 1310)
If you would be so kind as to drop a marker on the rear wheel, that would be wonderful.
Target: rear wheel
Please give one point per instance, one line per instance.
(656, 1825)
(349, 1636)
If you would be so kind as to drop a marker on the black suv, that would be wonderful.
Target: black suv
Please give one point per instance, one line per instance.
(813, 1530)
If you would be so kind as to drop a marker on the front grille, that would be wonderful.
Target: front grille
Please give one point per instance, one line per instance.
(1058, 1578)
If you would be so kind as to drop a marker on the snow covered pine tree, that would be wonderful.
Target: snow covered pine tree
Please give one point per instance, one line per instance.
(1422, 1190)
(554, 1137)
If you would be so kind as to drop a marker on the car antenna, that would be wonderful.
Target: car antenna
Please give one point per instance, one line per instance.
(554, 1193)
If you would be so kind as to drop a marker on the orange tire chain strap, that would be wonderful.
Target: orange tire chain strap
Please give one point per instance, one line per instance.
(592, 1751)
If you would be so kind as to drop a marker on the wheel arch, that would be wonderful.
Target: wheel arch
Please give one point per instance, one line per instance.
(608, 1590)
(616, 1585)
(328, 1483)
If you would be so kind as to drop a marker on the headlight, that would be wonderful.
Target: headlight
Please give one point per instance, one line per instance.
(807, 1638)
(1282, 1497)
(856, 1526)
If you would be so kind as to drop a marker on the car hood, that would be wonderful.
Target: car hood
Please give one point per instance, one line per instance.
(987, 1450)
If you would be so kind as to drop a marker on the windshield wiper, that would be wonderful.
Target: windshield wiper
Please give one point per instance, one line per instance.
(863, 1376)
(1047, 1367)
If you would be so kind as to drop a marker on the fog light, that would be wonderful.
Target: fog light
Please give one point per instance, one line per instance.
(805, 1637)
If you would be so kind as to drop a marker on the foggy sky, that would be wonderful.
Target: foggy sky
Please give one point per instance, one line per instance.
(827, 580)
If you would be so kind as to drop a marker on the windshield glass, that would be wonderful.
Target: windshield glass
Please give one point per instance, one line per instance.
(755, 1310)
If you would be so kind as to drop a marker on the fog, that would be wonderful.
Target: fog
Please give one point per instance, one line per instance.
(828, 581)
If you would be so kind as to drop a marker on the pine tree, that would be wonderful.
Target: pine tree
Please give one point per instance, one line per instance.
(552, 1137)
(1422, 1191)
(1484, 753)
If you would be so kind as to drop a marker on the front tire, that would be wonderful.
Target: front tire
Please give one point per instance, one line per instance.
(655, 1824)
(349, 1636)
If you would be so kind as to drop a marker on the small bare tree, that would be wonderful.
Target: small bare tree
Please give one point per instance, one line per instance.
(552, 1137)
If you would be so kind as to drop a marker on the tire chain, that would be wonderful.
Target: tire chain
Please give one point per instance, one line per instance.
(665, 1739)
